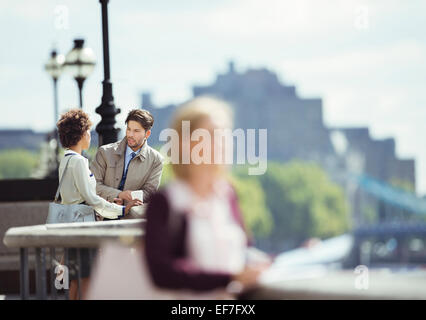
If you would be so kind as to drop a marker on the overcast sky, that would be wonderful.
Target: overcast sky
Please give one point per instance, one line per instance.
(365, 59)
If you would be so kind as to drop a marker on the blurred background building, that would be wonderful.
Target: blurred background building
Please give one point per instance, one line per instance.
(296, 131)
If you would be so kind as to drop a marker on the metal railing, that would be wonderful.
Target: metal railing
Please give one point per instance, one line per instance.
(51, 240)
(65, 236)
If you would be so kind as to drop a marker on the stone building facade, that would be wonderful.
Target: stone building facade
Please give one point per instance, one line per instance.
(296, 129)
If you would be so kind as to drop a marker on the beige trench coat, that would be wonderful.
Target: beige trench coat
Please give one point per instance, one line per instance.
(144, 171)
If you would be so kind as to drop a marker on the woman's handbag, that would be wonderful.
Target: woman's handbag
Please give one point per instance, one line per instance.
(64, 213)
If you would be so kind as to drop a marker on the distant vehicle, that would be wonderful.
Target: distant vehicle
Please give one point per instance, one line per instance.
(392, 246)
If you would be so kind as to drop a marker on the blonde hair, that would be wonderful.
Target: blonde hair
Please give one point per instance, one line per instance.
(196, 111)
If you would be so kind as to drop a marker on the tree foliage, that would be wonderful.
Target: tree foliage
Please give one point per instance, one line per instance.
(252, 201)
(251, 198)
(304, 202)
(17, 163)
(291, 201)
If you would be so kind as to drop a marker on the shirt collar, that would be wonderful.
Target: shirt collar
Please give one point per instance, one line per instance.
(142, 150)
(129, 152)
(69, 151)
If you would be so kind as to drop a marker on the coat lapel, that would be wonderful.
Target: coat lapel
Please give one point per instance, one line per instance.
(136, 168)
(120, 152)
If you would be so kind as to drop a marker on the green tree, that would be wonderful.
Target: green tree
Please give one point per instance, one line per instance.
(91, 153)
(17, 163)
(251, 198)
(252, 201)
(167, 175)
(304, 202)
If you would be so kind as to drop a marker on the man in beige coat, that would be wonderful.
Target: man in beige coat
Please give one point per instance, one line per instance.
(130, 164)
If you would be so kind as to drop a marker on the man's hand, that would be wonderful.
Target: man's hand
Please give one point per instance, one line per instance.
(118, 201)
(126, 195)
(131, 204)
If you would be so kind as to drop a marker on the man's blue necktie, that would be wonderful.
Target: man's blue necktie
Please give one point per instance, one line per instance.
(123, 179)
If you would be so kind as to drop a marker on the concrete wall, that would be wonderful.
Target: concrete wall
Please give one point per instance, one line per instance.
(17, 214)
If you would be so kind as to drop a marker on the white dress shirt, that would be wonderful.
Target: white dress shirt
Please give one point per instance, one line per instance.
(79, 185)
(128, 156)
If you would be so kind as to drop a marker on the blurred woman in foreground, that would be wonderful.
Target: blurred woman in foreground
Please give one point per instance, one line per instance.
(195, 238)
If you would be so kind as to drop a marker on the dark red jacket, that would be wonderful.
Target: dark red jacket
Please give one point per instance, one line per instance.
(166, 251)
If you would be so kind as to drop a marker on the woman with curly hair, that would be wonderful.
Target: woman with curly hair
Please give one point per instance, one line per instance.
(79, 184)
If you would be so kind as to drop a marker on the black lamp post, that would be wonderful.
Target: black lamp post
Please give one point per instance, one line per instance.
(80, 63)
(107, 110)
(54, 68)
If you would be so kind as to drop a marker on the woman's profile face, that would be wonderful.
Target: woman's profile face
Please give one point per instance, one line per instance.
(86, 139)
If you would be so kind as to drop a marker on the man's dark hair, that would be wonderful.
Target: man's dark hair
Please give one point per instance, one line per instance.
(144, 117)
(71, 127)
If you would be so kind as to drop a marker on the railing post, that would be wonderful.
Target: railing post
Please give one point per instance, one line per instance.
(41, 293)
(66, 260)
(79, 271)
(24, 276)
(52, 273)
(91, 257)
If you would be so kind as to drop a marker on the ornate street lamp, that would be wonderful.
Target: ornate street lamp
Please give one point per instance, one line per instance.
(80, 63)
(54, 68)
(106, 127)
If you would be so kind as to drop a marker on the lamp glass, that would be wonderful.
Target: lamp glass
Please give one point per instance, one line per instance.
(80, 62)
(54, 66)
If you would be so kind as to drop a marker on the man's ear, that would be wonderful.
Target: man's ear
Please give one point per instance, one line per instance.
(148, 133)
